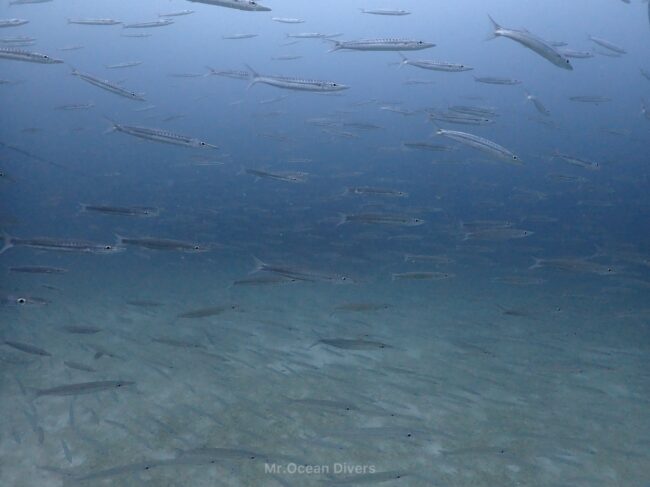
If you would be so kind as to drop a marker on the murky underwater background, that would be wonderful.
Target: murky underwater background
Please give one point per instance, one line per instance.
(336, 295)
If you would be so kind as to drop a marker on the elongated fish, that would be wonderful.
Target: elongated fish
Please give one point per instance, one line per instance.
(434, 65)
(207, 312)
(539, 106)
(13, 300)
(84, 388)
(108, 86)
(146, 25)
(146, 211)
(75, 106)
(351, 344)
(161, 244)
(94, 21)
(159, 135)
(380, 219)
(288, 20)
(608, 45)
(239, 36)
(381, 45)
(27, 348)
(78, 366)
(595, 99)
(367, 190)
(481, 144)
(385, 11)
(12, 22)
(55, 244)
(490, 80)
(286, 177)
(30, 57)
(248, 5)
(534, 43)
(298, 274)
(297, 84)
(178, 13)
(129, 64)
(37, 269)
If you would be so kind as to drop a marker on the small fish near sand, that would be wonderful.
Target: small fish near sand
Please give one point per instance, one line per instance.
(351, 344)
(208, 311)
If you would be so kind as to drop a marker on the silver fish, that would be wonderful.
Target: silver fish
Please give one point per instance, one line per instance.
(123, 65)
(13, 300)
(421, 276)
(12, 22)
(178, 13)
(298, 274)
(608, 45)
(366, 190)
(108, 86)
(497, 81)
(539, 106)
(31, 57)
(297, 84)
(145, 25)
(286, 177)
(385, 11)
(434, 65)
(76, 106)
(78, 366)
(480, 143)
(146, 211)
(288, 20)
(161, 244)
(596, 99)
(381, 45)
(94, 21)
(27, 348)
(84, 388)
(159, 135)
(380, 219)
(38, 269)
(54, 244)
(574, 53)
(351, 344)
(239, 36)
(575, 161)
(534, 43)
(248, 5)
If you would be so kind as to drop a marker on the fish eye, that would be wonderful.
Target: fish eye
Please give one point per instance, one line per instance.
(196, 247)
(21, 300)
(515, 158)
(108, 247)
(202, 143)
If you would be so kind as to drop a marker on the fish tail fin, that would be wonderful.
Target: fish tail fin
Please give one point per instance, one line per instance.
(343, 218)
(404, 59)
(259, 265)
(495, 27)
(537, 264)
(337, 45)
(254, 74)
(6, 242)
(119, 240)
(113, 127)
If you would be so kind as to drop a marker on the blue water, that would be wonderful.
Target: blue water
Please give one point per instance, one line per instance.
(443, 354)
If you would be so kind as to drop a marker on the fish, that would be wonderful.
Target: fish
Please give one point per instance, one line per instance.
(160, 135)
(129, 64)
(433, 259)
(27, 2)
(473, 110)
(419, 276)
(385, 11)
(286, 177)
(307, 35)
(75, 106)
(351, 344)
(286, 58)
(481, 144)
(532, 42)
(144, 303)
(498, 234)
(597, 99)
(234, 74)
(81, 330)
(288, 20)
(27, 348)
(239, 36)
(207, 312)
(262, 281)
(30, 57)
(576, 54)
(434, 65)
(366, 190)
(297, 84)
(153, 243)
(108, 86)
(13, 300)
(426, 146)
(54, 244)
(84, 388)
(146, 25)
(94, 21)
(580, 265)
(17, 40)
(37, 269)
(608, 45)
(380, 219)
(366, 477)
(575, 161)
(519, 280)
(325, 403)
(12, 22)
(539, 106)
(144, 211)
(78, 366)
(177, 13)
(459, 118)
(389, 44)
(497, 81)
(177, 343)
(298, 274)
(248, 5)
